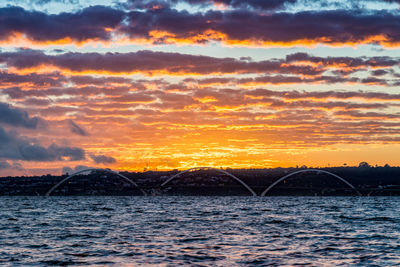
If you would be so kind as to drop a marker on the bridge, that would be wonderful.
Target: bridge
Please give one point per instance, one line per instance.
(246, 186)
(211, 168)
(309, 170)
(95, 169)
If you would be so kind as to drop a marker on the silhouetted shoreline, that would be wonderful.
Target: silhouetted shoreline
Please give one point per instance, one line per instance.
(366, 179)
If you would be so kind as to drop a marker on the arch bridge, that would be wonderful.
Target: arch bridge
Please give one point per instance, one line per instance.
(248, 188)
(95, 169)
(308, 170)
(210, 168)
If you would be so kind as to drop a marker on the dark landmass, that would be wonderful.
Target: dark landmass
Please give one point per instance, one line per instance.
(366, 179)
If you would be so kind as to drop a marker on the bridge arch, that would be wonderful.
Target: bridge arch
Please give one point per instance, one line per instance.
(308, 170)
(210, 168)
(95, 169)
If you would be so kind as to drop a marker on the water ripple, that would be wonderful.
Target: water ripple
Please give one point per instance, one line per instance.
(201, 231)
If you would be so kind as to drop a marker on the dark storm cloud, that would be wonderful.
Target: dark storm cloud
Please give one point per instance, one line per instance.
(334, 26)
(256, 4)
(244, 24)
(53, 152)
(102, 159)
(13, 146)
(16, 117)
(88, 23)
(148, 4)
(76, 129)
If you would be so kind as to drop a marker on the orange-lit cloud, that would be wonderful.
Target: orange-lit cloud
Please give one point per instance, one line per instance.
(161, 24)
(130, 110)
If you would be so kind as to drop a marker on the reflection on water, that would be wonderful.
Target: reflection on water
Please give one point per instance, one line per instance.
(218, 231)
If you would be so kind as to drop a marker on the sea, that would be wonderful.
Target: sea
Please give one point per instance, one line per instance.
(199, 231)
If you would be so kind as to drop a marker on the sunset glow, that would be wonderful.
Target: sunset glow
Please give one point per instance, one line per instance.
(134, 85)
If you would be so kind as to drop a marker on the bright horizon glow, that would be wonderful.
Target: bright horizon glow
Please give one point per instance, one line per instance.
(90, 84)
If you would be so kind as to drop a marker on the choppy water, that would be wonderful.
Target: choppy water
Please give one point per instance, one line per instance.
(218, 231)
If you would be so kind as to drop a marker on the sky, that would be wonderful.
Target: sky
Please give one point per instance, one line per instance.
(160, 85)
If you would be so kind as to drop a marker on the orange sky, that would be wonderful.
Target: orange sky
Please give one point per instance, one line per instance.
(130, 95)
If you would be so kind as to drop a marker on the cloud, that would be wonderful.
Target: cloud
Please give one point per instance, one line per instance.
(38, 80)
(80, 80)
(256, 4)
(323, 94)
(241, 4)
(381, 72)
(76, 129)
(351, 62)
(243, 25)
(294, 68)
(86, 24)
(151, 63)
(102, 159)
(70, 170)
(17, 117)
(13, 146)
(5, 165)
(42, 2)
(260, 5)
(51, 153)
